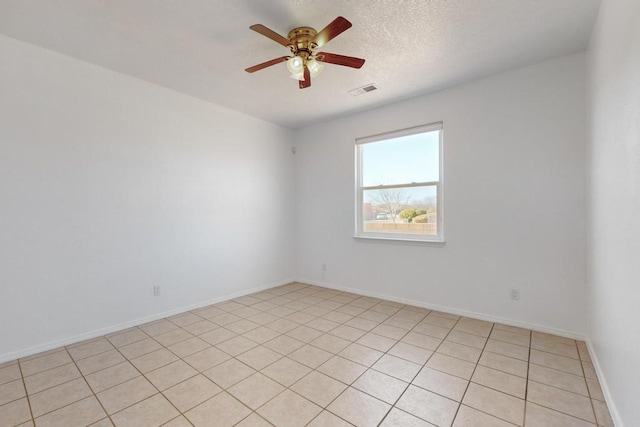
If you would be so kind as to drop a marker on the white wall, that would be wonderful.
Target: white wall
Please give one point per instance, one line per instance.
(614, 203)
(514, 200)
(110, 185)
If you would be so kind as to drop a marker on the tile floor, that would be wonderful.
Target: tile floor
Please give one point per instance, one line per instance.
(300, 355)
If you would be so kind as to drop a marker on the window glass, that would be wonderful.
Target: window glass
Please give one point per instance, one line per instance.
(399, 185)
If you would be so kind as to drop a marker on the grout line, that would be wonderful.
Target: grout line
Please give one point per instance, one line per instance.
(346, 299)
(26, 393)
(442, 340)
(175, 418)
(584, 375)
(333, 355)
(393, 405)
(566, 414)
(94, 395)
(71, 403)
(472, 373)
(526, 385)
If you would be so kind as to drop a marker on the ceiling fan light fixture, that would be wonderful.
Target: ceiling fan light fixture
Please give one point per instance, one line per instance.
(302, 42)
(314, 67)
(295, 65)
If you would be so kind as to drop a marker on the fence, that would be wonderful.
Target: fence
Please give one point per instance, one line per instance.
(401, 227)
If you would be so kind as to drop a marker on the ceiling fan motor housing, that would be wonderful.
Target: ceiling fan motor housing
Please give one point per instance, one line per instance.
(302, 43)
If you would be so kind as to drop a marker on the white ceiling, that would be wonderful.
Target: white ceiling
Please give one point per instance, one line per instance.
(201, 47)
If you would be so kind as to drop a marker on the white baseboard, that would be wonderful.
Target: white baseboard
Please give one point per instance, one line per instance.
(481, 316)
(452, 310)
(121, 326)
(613, 410)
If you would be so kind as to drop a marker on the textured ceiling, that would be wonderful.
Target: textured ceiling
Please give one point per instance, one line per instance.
(201, 47)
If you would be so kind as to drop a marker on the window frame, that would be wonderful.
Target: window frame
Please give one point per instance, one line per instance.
(359, 189)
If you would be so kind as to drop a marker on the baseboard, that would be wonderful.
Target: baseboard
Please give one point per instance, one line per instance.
(613, 410)
(481, 316)
(452, 310)
(121, 326)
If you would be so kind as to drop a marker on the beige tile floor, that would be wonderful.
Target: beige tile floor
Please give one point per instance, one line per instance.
(300, 355)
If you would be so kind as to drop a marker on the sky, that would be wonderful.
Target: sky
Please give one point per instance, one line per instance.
(403, 160)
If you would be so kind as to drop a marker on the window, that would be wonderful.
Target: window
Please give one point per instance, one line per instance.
(399, 185)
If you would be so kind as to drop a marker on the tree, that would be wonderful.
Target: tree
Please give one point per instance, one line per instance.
(391, 200)
(421, 219)
(410, 214)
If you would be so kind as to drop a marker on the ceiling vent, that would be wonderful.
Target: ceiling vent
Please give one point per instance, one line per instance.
(363, 89)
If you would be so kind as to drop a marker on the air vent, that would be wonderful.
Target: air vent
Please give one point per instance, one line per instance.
(363, 89)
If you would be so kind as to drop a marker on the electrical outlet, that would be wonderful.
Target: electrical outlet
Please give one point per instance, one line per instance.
(515, 294)
(156, 291)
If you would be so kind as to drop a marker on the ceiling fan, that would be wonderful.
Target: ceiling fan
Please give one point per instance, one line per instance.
(303, 42)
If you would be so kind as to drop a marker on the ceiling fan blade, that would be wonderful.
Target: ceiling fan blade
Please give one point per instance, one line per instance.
(259, 28)
(334, 58)
(307, 79)
(335, 28)
(266, 64)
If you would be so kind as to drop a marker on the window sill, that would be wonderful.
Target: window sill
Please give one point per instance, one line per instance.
(400, 240)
